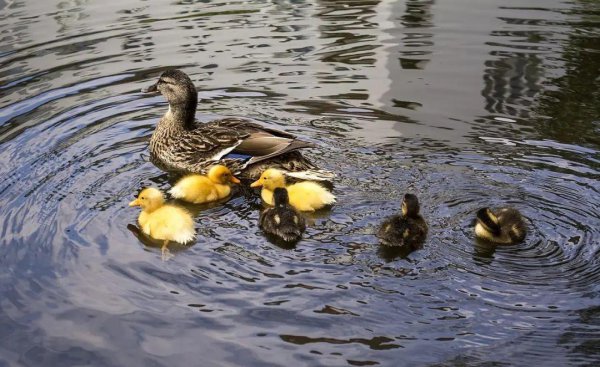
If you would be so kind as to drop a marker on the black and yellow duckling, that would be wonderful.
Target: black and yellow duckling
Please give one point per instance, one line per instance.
(180, 144)
(306, 196)
(502, 225)
(408, 229)
(163, 221)
(282, 221)
(199, 189)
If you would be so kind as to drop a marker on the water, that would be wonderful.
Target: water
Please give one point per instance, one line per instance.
(464, 103)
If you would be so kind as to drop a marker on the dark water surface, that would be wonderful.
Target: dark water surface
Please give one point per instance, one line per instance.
(466, 103)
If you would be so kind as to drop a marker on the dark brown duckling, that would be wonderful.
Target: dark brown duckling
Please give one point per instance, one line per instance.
(282, 221)
(407, 229)
(503, 225)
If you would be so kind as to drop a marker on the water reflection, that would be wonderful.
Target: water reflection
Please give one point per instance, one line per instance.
(466, 104)
(569, 110)
(418, 39)
(389, 254)
(345, 23)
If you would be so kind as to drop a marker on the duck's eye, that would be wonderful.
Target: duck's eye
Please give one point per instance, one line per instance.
(143, 198)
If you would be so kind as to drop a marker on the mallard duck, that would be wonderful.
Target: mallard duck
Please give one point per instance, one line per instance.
(502, 225)
(282, 221)
(163, 221)
(408, 229)
(200, 189)
(306, 196)
(179, 144)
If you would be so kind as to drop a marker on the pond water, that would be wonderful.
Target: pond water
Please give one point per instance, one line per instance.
(467, 104)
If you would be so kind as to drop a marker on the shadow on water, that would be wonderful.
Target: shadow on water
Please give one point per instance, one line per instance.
(151, 243)
(465, 104)
(390, 253)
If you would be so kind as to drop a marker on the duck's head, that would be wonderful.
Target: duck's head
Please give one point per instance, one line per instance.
(221, 174)
(149, 199)
(488, 220)
(280, 196)
(270, 179)
(177, 87)
(410, 205)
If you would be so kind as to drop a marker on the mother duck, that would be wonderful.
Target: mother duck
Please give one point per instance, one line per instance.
(180, 144)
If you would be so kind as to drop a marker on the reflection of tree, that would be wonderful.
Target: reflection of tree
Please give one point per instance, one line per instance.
(417, 16)
(70, 13)
(411, 49)
(513, 78)
(573, 105)
(566, 107)
(345, 22)
(510, 83)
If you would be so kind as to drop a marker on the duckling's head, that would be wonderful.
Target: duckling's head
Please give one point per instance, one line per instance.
(488, 221)
(221, 174)
(410, 205)
(149, 199)
(270, 179)
(280, 196)
(177, 87)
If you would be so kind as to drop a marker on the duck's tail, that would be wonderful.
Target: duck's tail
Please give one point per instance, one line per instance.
(294, 165)
(312, 175)
(298, 167)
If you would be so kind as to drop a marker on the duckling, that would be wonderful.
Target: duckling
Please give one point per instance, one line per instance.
(200, 189)
(282, 221)
(408, 229)
(163, 221)
(305, 196)
(503, 225)
(180, 144)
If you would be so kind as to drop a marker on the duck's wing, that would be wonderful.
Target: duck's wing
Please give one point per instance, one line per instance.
(246, 139)
(206, 143)
(391, 231)
(247, 125)
(262, 145)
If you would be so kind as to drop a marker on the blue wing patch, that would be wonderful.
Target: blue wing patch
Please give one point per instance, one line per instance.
(242, 157)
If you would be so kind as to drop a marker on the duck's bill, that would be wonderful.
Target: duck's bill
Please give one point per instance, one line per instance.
(235, 180)
(256, 184)
(134, 203)
(150, 89)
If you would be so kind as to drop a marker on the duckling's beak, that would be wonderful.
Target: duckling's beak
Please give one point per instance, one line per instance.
(235, 180)
(256, 183)
(150, 89)
(136, 202)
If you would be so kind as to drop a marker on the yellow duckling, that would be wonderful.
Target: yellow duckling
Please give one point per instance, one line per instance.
(305, 196)
(503, 225)
(163, 221)
(200, 189)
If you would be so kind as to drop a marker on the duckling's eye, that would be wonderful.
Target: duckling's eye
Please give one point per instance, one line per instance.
(143, 198)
